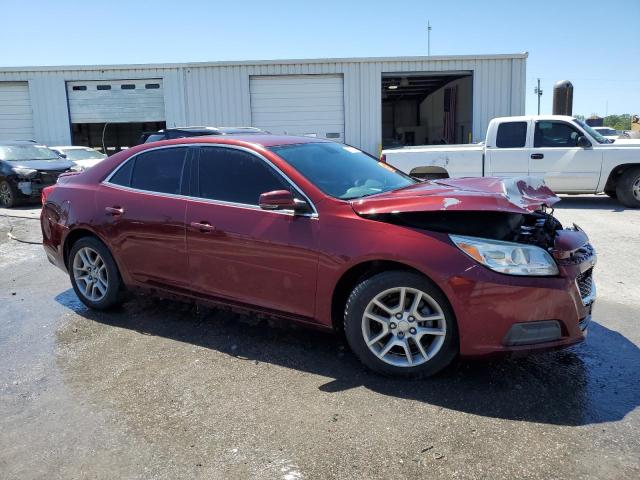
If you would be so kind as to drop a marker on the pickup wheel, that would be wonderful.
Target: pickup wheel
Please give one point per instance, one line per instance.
(400, 324)
(628, 188)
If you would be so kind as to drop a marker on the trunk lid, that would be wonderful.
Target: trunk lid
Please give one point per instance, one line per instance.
(515, 195)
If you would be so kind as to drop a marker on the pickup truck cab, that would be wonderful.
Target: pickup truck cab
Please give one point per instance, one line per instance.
(566, 152)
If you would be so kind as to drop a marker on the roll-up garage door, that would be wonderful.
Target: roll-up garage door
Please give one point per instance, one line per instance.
(311, 105)
(116, 101)
(16, 116)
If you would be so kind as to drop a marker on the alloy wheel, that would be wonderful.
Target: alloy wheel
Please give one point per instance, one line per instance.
(404, 327)
(5, 194)
(635, 188)
(90, 274)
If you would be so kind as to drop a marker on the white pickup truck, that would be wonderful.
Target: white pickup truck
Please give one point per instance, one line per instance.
(566, 152)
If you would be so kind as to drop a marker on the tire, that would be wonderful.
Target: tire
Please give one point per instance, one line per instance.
(611, 193)
(94, 274)
(410, 344)
(8, 195)
(628, 188)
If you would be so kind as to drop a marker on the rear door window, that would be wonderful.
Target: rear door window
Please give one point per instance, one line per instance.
(555, 134)
(236, 176)
(511, 135)
(159, 170)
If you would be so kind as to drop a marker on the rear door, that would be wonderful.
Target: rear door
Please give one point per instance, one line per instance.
(240, 252)
(507, 156)
(556, 157)
(143, 213)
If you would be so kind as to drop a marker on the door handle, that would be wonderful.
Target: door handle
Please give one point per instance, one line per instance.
(537, 156)
(114, 211)
(204, 227)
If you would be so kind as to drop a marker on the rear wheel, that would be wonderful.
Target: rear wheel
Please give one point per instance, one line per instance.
(628, 188)
(8, 195)
(94, 274)
(400, 323)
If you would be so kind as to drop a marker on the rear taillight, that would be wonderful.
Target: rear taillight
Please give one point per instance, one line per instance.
(45, 193)
(383, 158)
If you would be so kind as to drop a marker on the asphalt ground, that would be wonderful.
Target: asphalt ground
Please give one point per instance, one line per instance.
(166, 390)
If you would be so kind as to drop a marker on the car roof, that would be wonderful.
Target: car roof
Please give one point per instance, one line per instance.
(8, 143)
(259, 140)
(263, 140)
(72, 147)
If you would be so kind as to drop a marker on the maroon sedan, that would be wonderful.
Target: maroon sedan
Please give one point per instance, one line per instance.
(323, 234)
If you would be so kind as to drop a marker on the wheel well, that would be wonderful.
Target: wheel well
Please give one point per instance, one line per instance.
(72, 238)
(616, 173)
(355, 275)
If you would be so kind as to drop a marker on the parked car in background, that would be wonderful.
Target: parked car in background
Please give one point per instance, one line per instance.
(25, 169)
(184, 132)
(570, 155)
(83, 157)
(323, 234)
(608, 132)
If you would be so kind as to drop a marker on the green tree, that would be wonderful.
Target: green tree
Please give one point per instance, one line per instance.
(618, 122)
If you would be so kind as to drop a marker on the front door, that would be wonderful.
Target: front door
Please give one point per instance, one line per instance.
(565, 166)
(240, 252)
(144, 217)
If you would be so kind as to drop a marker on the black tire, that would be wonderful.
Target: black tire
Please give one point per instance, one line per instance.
(9, 196)
(628, 188)
(366, 291)
(611, 193)
(114, 294)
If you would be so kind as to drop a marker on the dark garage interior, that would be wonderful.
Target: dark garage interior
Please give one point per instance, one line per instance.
(426, 108)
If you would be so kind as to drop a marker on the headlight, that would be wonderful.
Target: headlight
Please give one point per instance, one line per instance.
(507, 257)
(77, 168)
(25, 172)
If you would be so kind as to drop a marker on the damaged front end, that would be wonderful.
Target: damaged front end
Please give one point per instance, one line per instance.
(31, 182)
(492, 220)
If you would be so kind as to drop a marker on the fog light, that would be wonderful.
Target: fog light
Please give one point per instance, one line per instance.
(533, 332)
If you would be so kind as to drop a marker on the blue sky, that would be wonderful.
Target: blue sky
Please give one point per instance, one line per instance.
(595, 44)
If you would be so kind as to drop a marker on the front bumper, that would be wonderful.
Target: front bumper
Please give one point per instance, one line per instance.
(32, 187)
(503, 314)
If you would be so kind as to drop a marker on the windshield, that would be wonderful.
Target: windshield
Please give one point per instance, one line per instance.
(82, 154)
(26, 152)
(597, 136)
(342, 171)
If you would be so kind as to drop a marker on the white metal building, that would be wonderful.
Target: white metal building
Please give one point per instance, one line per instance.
(361, 101)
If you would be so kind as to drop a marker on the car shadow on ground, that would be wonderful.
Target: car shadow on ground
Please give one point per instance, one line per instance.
(594, 382)
(590, 202)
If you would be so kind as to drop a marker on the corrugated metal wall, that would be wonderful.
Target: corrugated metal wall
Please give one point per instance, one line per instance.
(218, 93)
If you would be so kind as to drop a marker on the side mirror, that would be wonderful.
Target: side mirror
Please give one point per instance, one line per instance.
(62, 155)
(282, 200)
(583, 142)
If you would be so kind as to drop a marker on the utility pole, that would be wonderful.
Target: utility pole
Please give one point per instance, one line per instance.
(428, 38)
(538, 92)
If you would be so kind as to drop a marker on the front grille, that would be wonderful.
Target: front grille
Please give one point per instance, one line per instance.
(585, 283)
(47, 178)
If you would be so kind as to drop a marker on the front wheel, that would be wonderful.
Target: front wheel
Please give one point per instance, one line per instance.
(8, 195)
(628, 188)
(94, 274)
(399, 323)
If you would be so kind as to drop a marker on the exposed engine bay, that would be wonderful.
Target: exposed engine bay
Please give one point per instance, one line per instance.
(536, 228)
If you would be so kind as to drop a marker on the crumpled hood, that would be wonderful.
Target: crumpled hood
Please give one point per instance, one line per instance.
(515, 195)
(42, 165)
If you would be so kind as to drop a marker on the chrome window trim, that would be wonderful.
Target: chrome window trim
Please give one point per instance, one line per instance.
(314, 213)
